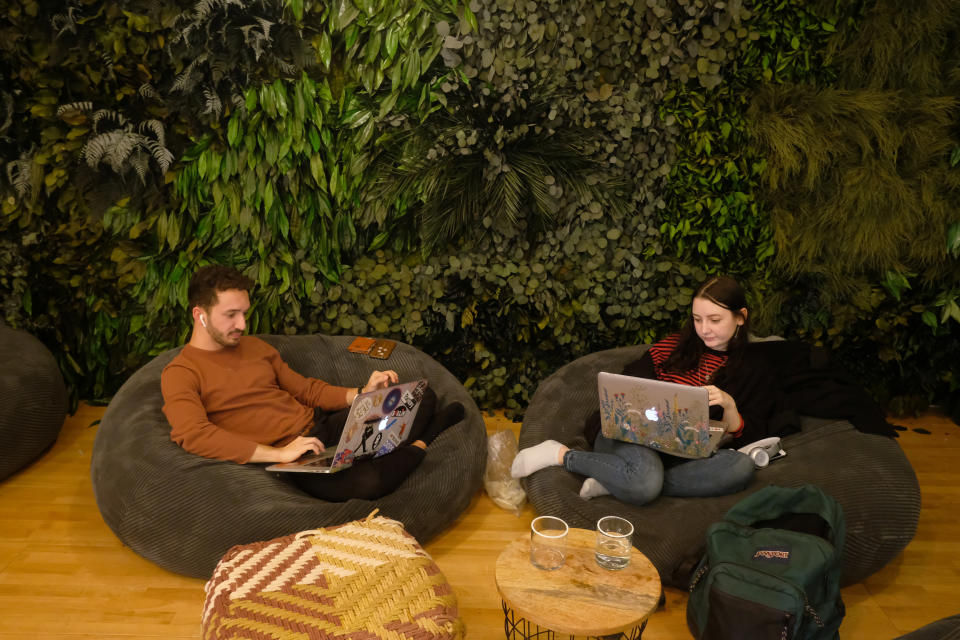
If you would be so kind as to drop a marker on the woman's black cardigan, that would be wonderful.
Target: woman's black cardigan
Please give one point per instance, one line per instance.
(775, 382)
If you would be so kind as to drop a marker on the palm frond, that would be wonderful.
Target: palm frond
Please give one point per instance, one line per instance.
(505, 195)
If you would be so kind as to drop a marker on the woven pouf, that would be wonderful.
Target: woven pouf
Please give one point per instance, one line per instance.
(365, 579)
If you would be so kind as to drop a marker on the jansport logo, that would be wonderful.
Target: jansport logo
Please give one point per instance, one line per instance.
(773, 554)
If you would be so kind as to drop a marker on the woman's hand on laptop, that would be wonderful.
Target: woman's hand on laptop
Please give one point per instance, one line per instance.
(291, 451)
(381, 379)
(719, 397)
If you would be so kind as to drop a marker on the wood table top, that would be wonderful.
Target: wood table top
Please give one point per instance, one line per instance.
(581, 597)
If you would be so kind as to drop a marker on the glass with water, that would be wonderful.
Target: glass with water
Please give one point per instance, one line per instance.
(614, 542)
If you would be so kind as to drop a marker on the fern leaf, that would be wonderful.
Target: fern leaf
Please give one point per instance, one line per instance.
(146, 90)
(250, 38)
(219, 70)
(183, 35)
(184, 82)
(20, 174)
(155, 127)
(8, 113)
(111, 116)
(213, 104)
(62, 23)
(74, 108)
(239, 103)
(160, 154)
(204, 8)
(126, 142)
(265, 26)
(99, 146)
(140, 162)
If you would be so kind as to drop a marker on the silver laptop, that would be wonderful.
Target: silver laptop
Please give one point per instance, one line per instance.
(378, 423)
(672, 418)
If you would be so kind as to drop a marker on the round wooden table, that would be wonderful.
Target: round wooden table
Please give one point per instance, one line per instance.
(580, 598)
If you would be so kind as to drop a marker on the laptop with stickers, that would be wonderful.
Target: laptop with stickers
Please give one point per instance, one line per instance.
(672, 418)
(378, 422)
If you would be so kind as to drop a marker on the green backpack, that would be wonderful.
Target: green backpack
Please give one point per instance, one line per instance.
(771, 569)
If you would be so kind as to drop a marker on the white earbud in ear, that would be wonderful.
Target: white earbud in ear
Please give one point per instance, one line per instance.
(203, 320)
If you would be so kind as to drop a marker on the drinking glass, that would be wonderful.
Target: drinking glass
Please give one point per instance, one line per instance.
(548, 542)
(614, 541)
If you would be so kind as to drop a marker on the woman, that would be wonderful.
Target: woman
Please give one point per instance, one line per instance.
(711, 350)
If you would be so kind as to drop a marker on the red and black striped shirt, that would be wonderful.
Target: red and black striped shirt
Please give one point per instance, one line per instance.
(709, 363)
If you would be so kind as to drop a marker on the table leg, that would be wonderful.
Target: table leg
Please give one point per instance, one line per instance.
(522, 629)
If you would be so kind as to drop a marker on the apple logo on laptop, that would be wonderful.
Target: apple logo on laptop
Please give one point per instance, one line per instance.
(651, 414)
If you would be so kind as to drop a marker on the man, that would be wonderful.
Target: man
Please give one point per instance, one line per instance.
(232, 397)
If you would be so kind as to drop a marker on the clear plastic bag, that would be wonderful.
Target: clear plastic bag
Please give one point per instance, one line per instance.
(504, 490)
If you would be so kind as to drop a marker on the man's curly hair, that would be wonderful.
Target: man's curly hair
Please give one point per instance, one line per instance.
(207, 281)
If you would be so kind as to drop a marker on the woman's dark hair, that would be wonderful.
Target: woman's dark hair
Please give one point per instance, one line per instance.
(725, 292)
(207, 281)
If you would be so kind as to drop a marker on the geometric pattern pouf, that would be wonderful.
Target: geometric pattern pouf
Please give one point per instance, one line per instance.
(366, 579)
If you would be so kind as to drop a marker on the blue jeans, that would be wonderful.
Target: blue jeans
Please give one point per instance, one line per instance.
(635, 474)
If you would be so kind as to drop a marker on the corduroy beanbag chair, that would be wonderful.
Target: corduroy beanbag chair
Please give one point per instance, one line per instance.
(184, 511)
(33, 400)
(944, 629)
(869, 476)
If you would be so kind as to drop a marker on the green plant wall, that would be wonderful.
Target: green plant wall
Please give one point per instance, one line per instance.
(506, 185)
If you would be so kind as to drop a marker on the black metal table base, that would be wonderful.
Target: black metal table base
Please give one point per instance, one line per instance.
(521, 628)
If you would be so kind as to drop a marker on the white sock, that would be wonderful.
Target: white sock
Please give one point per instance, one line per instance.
(531, 459)
(592, 488)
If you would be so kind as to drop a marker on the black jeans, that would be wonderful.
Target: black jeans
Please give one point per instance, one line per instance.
(370, 478)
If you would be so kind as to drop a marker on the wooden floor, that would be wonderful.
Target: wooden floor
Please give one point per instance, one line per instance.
(64, 575)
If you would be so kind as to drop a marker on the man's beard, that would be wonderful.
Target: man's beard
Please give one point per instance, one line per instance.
(223, 339)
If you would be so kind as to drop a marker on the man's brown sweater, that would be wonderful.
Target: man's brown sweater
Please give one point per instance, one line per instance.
(222, 404)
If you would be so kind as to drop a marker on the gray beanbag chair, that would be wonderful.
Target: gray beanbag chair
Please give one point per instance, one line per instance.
(33, 400)
(944, 629)
(869, 475)
(183, 511)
